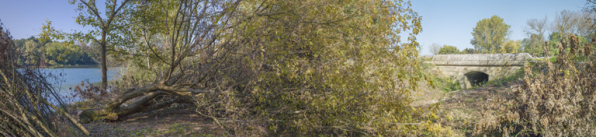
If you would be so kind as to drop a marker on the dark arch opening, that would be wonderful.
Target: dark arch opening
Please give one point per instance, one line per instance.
(477, 78)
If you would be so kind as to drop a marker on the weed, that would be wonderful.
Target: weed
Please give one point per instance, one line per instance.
(557, 101)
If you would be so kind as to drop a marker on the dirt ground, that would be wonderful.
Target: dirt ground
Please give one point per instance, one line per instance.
(461, 109)
(165, 122)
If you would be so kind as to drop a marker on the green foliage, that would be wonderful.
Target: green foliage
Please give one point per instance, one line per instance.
(337, 68)
(109, 31)
(565, 23)
(533, 45)
(469, 51)
(33, 52)
(446, 84)
(448, 49)
(490, 34)
(556, 39)
(48, 33)
(56, 53)
(62, 53)
(42, 51)
(511, 46)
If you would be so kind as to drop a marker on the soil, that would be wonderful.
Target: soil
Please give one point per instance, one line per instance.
(461, 109)
(165, 122)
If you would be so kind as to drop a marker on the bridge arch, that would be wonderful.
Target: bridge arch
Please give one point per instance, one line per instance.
(474, 78)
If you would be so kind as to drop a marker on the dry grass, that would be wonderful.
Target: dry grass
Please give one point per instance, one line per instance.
(557, 101)
(461, 109)
(550, 100)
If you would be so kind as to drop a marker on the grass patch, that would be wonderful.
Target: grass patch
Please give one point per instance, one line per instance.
(446, 84)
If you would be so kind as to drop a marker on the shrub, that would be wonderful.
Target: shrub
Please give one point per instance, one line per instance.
(559, 100)
(448, 49)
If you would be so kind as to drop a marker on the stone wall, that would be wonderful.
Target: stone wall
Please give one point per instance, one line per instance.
(456, 66)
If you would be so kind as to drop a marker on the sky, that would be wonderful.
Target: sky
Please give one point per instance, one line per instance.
(450, 22)
(445, 22)
(24, 18)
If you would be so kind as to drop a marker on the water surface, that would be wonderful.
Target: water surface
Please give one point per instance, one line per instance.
(67, 78)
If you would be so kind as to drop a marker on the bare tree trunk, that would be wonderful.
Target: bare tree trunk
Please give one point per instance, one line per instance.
(104, 68)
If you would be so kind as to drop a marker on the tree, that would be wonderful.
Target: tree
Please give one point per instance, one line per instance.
(511, 46)
(104, 27)
(33, 52)
(435, 48)
(469, 51)
(566, 22)
(532, 45)
(554, 39)
(448, 49)
(47, 33)
(535, 30)
(339, 68)
(579, 23)
(63, 53)
(172, 31)
(489, 34)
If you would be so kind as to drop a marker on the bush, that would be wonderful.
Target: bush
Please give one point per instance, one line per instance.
(447, 49)
(446, 84)
(557, 101)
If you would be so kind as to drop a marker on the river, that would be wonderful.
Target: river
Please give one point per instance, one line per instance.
(67, 78)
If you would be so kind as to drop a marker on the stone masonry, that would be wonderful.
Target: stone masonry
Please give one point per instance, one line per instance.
(470, 69)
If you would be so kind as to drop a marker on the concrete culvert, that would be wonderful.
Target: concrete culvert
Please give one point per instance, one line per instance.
(476, 78)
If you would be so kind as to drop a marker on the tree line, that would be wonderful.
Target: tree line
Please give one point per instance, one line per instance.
(55, 53)
(491, 35)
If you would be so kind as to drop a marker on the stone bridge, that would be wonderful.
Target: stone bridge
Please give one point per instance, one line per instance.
(472, 69)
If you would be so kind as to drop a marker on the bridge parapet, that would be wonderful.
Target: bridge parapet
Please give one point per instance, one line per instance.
(509, 59)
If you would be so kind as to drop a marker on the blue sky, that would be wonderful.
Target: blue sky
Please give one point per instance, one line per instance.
(443, 21)
(450, 22)
(24, 18)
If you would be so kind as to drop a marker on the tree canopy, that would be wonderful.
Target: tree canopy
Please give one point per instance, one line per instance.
(490, 34)
(469, 51)
(448, 49)
(511, 46)
(109, 30)
(56, 53)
